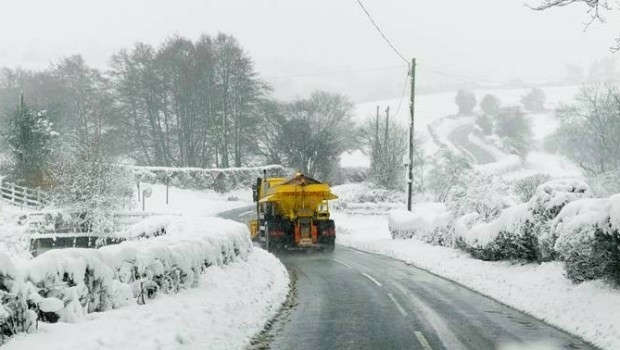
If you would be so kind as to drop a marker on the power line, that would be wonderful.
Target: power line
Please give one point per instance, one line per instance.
(381, 32)
(402, 96)
(463, 78)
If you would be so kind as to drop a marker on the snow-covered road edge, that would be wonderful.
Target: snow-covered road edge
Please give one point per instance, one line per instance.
(542, 290)
(230, 305)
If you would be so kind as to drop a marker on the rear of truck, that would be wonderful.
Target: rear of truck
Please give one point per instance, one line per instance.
(293, 214)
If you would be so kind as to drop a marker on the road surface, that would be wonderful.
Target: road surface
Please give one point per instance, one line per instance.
(459, 137)
(354, 300)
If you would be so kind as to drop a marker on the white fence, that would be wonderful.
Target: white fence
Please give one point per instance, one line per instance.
(22, 196)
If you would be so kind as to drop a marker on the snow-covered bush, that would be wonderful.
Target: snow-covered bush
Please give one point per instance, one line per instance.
(89, 183)
(429, 222)
(77, 276)
(588, 239)
(363, 198)
(522, 232)
(447, 174)
(485, 195)
(67, 284)
(509, 237)
(606, 184)
(546, 204)
(15, 316)
(202, 179)
(525, 188)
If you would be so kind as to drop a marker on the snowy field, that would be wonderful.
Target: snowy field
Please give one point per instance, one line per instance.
(194, 203)
(432, 109)
(228, 307)
(539, 290)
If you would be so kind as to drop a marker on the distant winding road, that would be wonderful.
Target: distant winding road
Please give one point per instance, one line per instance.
(354, 300)
(459, 137)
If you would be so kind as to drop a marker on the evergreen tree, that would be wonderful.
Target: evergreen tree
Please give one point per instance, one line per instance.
(29, 136)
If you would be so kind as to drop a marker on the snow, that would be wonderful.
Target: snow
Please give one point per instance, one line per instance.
(354, 159)
(538, 162)
(428, 222)
(539, 290)
(195, 202)
(227, 308)
(7, 268)
(227, 289)
(432, 108)
(579, 220)
(362, 198)
(556, 193)
(510, 220)
(51, 305)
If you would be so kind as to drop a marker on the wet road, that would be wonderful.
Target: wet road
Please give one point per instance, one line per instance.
(349, 299)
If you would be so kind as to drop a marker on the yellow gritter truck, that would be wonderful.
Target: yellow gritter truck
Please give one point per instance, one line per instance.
(292, 213)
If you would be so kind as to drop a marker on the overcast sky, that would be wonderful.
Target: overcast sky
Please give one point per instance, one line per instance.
(483, 40)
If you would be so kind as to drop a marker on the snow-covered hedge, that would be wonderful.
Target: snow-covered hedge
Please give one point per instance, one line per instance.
(67, 284)
(15, 316)
(519, 232)
(362, 198)
(510, 236)
(588, 239)
(548, 200)
(429, 222)
(522, 232)
(199, 178)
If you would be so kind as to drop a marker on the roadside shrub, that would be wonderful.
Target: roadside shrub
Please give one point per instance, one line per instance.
(588, 240)
(429, 222)
(484, 195)
(547, 202)
(15, 315)
(509, 237)
(525, 188)
(69, 283)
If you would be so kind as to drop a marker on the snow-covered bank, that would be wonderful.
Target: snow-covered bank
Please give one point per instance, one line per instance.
(540, 290)
(100, 289)
(228, 307)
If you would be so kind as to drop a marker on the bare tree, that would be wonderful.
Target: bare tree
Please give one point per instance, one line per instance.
(596, 10)
(386, 141)
(589, 131)
(313, 132)
(189, 103)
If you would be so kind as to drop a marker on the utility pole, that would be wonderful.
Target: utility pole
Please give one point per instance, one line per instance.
(411, 108)
(387, 134)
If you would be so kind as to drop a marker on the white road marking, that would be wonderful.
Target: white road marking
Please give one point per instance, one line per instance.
(446, 336)
(343, 263)
(246, 213)
(423, 340)
(372, 279)
(398, 306)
